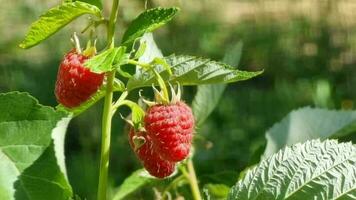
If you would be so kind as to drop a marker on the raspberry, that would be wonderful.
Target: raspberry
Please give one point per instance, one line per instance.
(152, 161)
(75, 83)
(171, 129)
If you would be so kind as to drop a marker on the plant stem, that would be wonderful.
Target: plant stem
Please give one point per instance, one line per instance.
(105, 138)
(107, 111)
(112, 22)
(193, 180)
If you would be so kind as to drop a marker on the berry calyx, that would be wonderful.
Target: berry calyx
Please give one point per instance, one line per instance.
(171, 129)
(75, 84)
(142, 145)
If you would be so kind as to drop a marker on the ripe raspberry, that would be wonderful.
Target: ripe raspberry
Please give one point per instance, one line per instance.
(152, 162)
(171, 129)
(75, 83)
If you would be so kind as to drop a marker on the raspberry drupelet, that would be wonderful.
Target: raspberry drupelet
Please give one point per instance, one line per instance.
(75, 84)
(171, 128)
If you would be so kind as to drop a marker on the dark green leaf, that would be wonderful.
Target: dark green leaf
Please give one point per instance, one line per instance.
(55, 19)
(132, 183)
(189, 70)
(313, 170)
(32, 164)
(107, 60)
(148, 21)
(309, 123)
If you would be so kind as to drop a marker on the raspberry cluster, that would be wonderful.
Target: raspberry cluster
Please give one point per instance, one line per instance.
(75, 84)
(167, 140)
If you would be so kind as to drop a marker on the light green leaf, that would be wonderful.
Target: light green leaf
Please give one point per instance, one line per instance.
(135, 181)
(148, 21)
(31, 150)
(141, 50)
(216, 191)
(189, 70)
(208, 96)
(55, 19)
(107, 60)
(309, 123)
(313, 170)
(96, 3)
(137, 113)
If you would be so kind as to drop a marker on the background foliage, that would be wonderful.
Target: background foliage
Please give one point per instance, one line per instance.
(306, 47)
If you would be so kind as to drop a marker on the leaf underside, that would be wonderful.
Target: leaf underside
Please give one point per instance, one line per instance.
(189, 70)
(309, 123)
(55, 19)
(313, 170)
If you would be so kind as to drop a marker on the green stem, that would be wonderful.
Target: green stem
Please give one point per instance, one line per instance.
(107, 111)
(143, 65)
(173, 184)
(193, 182)
(112, 22)
(160, 80)
(105, 138)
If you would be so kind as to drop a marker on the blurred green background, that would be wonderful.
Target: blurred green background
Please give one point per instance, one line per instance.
(306, 47)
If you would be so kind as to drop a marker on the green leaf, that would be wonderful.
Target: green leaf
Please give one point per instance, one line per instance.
(55, 19)
(205, 100)
(107, 60)
(135, 181)
(189, 70)
(96, 3)
(208, 96)
(309, 123)
(141, 50)
(148, 21)
(137, 113)
(216, 191)
(31, 149)
(313, 170)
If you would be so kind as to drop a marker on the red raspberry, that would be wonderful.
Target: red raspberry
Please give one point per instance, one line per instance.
(75, 83)
(152, 161)
(171, 129)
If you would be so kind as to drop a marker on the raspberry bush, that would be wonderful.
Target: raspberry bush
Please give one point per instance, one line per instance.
(161, 130)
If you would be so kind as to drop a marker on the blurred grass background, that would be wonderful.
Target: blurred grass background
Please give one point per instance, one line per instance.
(306, 47)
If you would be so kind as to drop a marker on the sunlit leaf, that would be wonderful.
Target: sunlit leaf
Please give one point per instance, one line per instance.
(148, 21)
(313, 170)
(31, 149)
(189, 70)
(309, 123)
(107, 60)
(55, 19)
